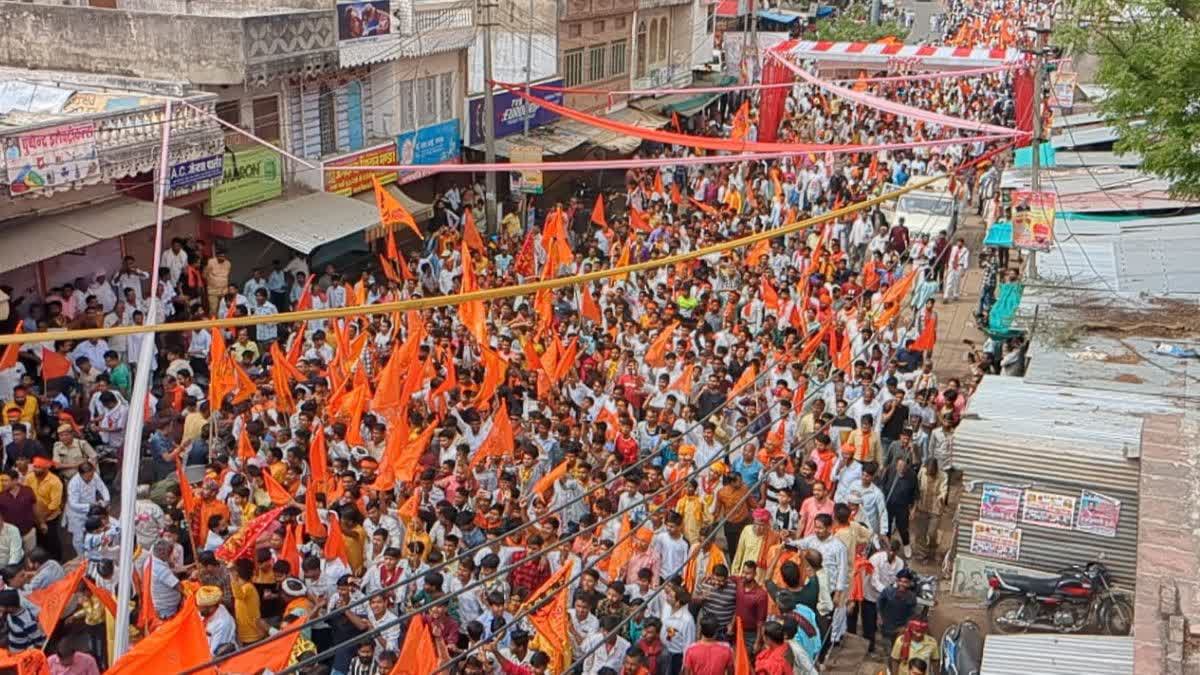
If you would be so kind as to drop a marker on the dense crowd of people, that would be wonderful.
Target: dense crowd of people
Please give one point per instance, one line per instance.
(734, 457)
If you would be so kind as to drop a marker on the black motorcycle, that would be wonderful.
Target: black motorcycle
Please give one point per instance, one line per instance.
(1077, 600)
(962, 649)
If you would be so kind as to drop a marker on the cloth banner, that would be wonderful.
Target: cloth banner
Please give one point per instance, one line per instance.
(893, 107)
(1022, 85)
(771, 101)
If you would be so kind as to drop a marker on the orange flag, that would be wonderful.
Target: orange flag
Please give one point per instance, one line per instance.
(546, 483)
(748, 376)
(588, 307)
(244, 385)
(494, 369)
(335, 542)
(105, 598)
(899, 290)
(147, 618)
(406, 455)
(296, 348)
(179, 644)
(271, 655)
(813, 343)
(844, 359)
(318, 460)
(499, 441)
(638, 220)
(279, 380)
(656, 353)
(622, 552)
(450, 381)
(278, 494)
(658, 183)
(405, 273)
(741, 657)
(471, 233)
(312, 518)
(418, 654)
(291, 549)
(566, 360)
(186, 495)
(472, 313)
(53, 599)
(54, 365)
(757, 252)
(28, 662)
(302, 303)
(769, 296)
(928, 337)
(245, 447)
(676, 195)
(683, 383)
(410, 509)
(598, 216)
(391, 211)
(623, 261)
(11, 352)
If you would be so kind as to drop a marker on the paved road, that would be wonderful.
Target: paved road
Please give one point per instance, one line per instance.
(922, 10)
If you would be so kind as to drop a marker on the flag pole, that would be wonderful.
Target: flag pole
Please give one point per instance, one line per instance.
(131, 456)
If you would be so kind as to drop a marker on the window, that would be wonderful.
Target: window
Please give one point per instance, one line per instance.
(230, 111)
(328, 117)
(598, 27)
(596, 63)
(575, 30)
(427, 101)
(573, 67)
(661, 54)
(616, 58)
(446, 93)
(404, 93)
(652, 46)
(712, 19)
(640, 47)
(266, 117)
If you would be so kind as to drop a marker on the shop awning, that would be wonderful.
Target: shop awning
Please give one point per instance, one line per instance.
(36, 239)
(306, 222)
(553, 141)
(611, 140)
(683, 104)
(778, 16)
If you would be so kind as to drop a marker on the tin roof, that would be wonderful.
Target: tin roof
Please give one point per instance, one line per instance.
(1057, 655)
(1127, 365)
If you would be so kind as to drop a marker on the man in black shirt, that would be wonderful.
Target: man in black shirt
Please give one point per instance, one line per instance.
(895, 416)
(22, 446)
(897, 604)
(711, 397)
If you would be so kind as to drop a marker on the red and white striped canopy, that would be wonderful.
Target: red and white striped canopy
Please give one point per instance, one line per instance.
(879, 53)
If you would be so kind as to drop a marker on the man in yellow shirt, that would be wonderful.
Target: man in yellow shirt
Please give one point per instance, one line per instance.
(23, 402)
(47, 512)
(247, 609)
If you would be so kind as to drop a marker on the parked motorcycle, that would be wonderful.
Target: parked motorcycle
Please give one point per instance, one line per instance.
(926, 590)
(962, 649)
(1078, 599)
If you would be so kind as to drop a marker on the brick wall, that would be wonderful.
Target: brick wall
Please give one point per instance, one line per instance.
(1167, 605)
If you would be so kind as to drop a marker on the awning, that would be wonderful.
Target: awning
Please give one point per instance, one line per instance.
(1059, 654)
(683, 104)
(611, 140)
(999, 235)
(778, 16)
(727, 8)
(553, 141)
(306, 222)
(44, 237)
(879, 53)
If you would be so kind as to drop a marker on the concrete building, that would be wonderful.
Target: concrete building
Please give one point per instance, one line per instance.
(379, 82)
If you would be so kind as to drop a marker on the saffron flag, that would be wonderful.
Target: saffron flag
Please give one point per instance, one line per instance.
(242, 543)
(472, 313)
(499, 441)
(11, 352)
(638, 219)
(53, 599)
(244, 386)
(748, 376)
(658, 183)
(588, 307)
(757, 252)
(769, 296)
(186, 495)
(335, 541)
(598, 216)
(546, 483)
(178, 645)
(147, 618)
(676, 195)
(471, 233)
(418, 654)
(928, 336)
(245, 447)
(741, 657)
(494, 369)
(656, 353)
(278, 494)
(54, 365)
(105, 598)
(291, 549)
(270, 655)
(391, 211)
(304, 302)
(318, 459)
(683, 383)
(28, 662)
(312, 517)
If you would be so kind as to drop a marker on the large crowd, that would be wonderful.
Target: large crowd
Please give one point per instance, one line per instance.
(737, 456)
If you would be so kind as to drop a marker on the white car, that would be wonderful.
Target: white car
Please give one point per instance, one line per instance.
(926, 212)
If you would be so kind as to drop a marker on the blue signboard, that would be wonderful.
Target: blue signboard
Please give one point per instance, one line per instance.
(511, 111)
(195, 171)
(434, 144)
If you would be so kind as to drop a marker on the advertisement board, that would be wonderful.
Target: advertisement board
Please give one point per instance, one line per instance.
(511, 111)
(435, 144)
(528, 182)
(1049, 510)
(352, 182)
(364, 20)
(1033, 219)
(1098, 514)
(192, 172)
(248, 177)
(52, 158)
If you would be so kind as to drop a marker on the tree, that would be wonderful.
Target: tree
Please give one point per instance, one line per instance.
(1149, 58)
(851, 25)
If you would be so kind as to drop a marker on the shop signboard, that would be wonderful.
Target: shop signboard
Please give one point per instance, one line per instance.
(52, 158)
(193, 172)
(435, 144)
(248, 177)
(352, 182)
(511, 111)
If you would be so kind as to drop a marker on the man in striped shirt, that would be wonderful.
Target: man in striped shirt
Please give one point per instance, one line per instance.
(23, 629)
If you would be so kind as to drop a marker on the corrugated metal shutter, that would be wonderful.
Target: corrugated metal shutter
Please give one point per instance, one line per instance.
(1057, 654)
(1057, 440)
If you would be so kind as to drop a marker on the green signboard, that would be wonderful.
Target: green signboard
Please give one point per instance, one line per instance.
(251, 176)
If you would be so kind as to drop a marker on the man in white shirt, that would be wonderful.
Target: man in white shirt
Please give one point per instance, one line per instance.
(605, 648)
(218, 622)
(678, 627)
(164, 585)
(671, 546)
(956, 270)
(175, 259)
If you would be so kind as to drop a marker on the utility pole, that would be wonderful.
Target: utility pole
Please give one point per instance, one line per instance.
(876, 10)
(1035, 144)
(487, 18)
(754, 63)
(528, 66)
